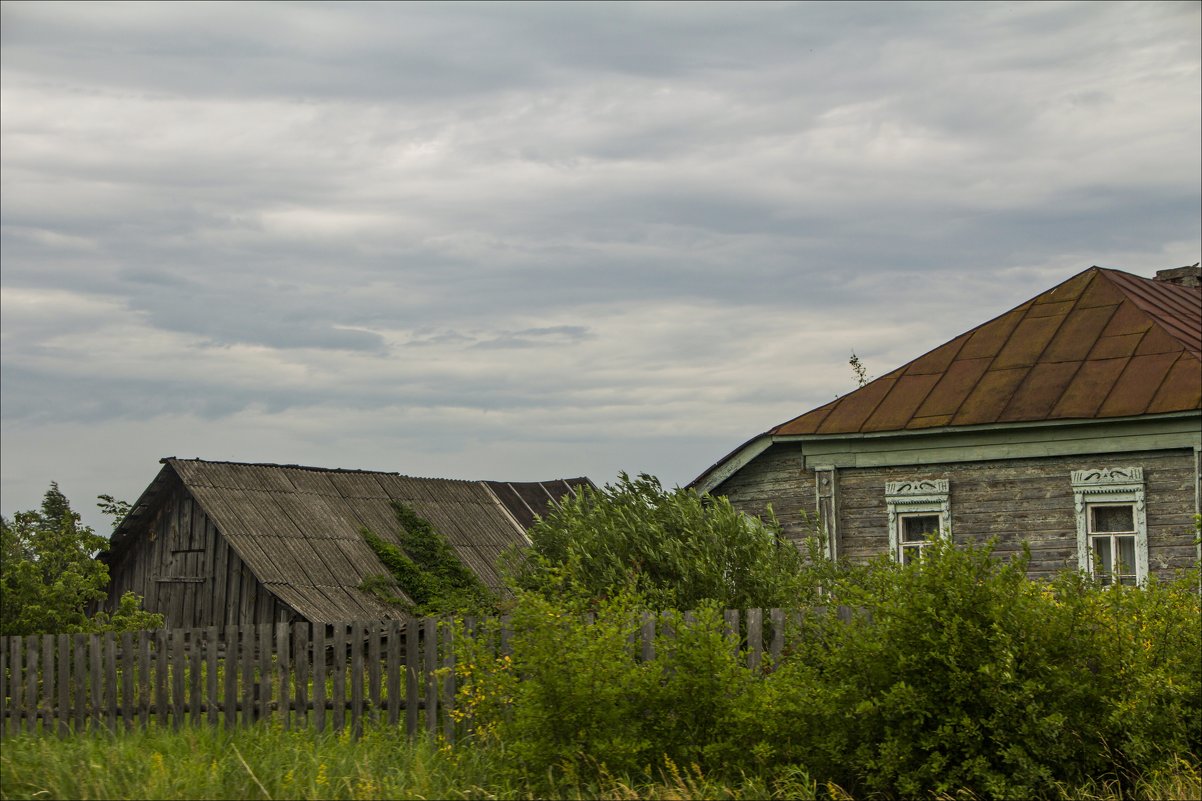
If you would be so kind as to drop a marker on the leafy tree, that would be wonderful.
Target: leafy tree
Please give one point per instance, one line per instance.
(675, 548)
(49, 574)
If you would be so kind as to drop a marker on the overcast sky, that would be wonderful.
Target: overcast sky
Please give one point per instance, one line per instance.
(526, 241)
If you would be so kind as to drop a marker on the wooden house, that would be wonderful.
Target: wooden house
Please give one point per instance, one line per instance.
(219, 543)
(1071, 423)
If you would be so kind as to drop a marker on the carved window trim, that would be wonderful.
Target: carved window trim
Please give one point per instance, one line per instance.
(1111, 486)
(916, 496)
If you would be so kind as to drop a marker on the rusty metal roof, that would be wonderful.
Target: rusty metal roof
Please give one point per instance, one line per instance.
(298, 528)
(1102, 344)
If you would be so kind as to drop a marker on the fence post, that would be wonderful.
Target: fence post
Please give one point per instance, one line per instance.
(647, 635)
(755, 638)
(778, 634)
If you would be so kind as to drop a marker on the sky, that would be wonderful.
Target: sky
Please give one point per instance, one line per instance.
(525, 241)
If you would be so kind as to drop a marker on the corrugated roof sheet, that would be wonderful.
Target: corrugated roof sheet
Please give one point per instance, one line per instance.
(299, 528)
(1102, 344)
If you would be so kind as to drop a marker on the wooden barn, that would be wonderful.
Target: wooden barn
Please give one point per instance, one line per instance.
(1072, 423)
(219, 543)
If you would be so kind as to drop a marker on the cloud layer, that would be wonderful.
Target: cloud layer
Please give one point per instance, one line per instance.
(521, 241)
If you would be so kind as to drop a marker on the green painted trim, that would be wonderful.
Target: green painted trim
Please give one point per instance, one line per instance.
(1194, 415)
(985, 445)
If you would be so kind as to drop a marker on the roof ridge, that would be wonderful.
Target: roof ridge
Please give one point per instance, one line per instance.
(314, 469)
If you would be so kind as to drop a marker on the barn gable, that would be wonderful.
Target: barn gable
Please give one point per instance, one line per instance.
(291, 537)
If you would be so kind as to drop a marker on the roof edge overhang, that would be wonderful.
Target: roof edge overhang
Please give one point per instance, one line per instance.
(739, 458)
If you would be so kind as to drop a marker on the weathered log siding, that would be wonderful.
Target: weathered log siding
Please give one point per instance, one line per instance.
(776, 478)
(1014, 500)
(184, 569)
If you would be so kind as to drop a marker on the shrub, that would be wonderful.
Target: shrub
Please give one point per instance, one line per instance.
(677, 548)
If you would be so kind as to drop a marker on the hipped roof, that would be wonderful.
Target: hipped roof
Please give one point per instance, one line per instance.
(1102, 344)
(298, 529)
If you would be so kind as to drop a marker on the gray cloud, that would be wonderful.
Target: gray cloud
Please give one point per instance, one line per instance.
(557, 238)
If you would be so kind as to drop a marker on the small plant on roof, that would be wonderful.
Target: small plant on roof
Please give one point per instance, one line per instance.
(426, 569)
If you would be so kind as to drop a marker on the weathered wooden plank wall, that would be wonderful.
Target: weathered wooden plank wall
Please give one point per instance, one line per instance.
(184, 569)
(293, 673)
(1014, 500)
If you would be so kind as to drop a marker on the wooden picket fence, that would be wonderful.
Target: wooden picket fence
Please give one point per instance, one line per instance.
(298, 675)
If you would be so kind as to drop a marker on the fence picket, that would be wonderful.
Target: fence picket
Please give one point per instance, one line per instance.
(195, 653)
(393, 670)
(160, 678)
(31, 678)
(339, 689)
(411, 668)
(79, 683)
(357, 679)
(72, 683)
(127, 679)
(211, 674)
(264, 672)
(283, 674)
(778, 634)
(300, 662)
(373, 670)
(48, 683)
(64, 684)
(17, 705)
(319, 676)
(4, 702)
(248, 674)
(231, 677)
(143, 679)
(755, 638)
(96, 675)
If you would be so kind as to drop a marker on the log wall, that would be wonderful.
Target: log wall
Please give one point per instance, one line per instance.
(1014, 500)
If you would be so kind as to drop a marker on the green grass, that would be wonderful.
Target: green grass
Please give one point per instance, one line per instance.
(267, 763)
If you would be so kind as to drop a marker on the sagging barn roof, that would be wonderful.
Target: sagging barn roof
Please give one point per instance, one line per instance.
(298, 528)
(1102, 344)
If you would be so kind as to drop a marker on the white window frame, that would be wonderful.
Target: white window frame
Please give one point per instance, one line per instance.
(916, 497)
(1110, 486)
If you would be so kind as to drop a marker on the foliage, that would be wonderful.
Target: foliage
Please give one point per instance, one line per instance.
(958, 675)
(676, 549)
(50, 574)
(426, 569)
(859, 370)
(114, 508)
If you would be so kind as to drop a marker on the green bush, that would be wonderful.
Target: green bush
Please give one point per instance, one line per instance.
(956, 674)
(677, 548)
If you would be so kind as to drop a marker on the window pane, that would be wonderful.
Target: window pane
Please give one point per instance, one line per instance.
(1113, 518)
(911, 553)
(1126, 555)
(1103, 559)
(919, 528)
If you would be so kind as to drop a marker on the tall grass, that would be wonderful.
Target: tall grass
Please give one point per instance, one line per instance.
(264, 762)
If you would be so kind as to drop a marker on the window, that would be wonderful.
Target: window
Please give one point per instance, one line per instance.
(1112, 534)
(919, 511)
